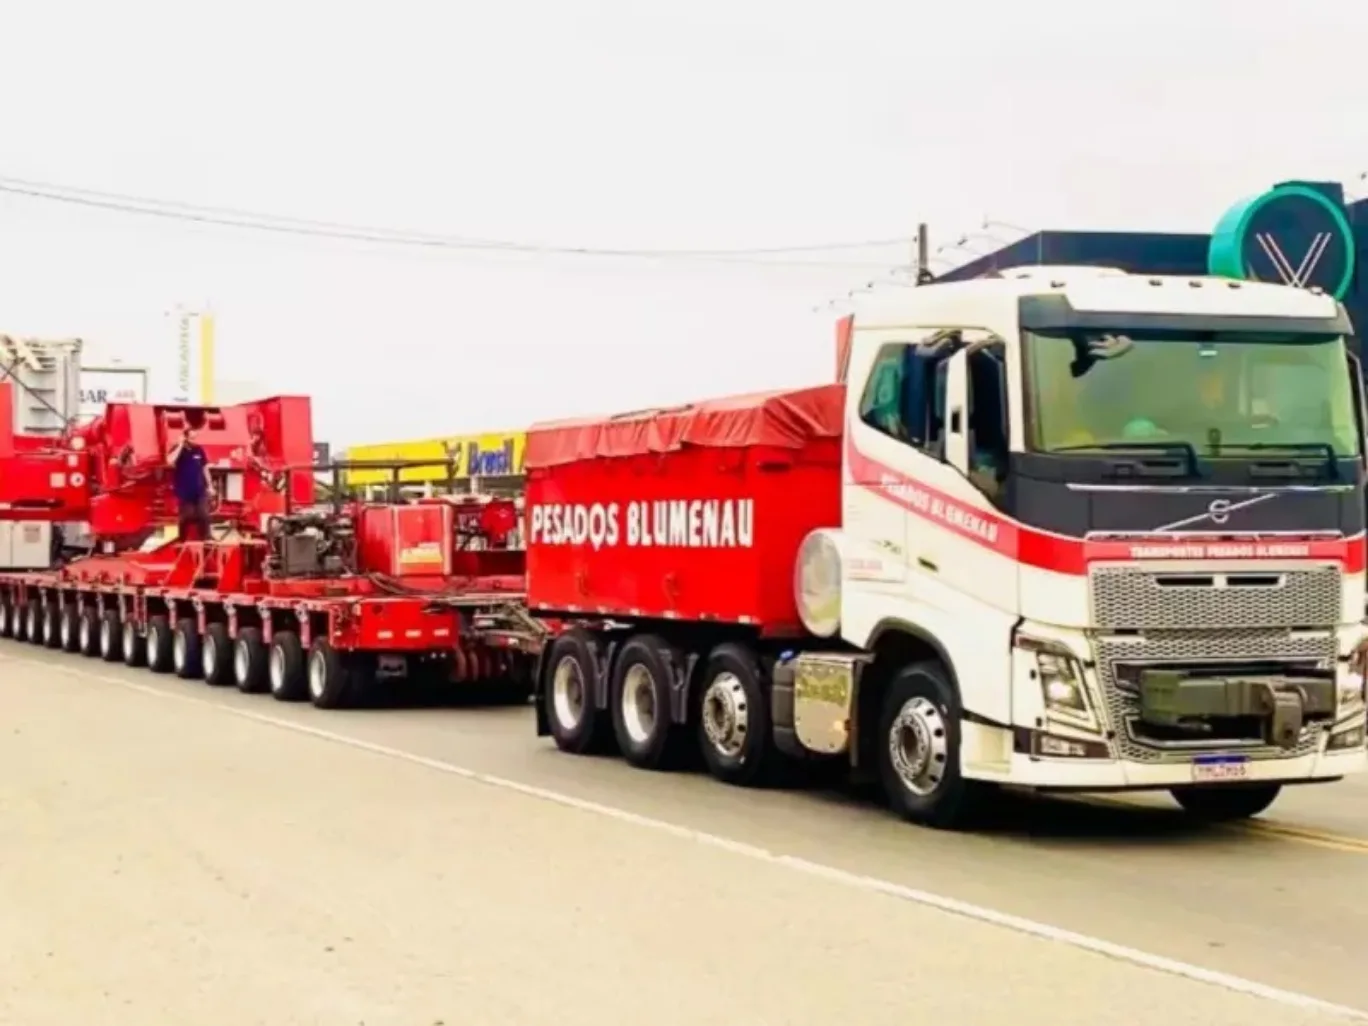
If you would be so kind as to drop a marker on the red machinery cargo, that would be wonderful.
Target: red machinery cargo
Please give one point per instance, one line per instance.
(689, 513)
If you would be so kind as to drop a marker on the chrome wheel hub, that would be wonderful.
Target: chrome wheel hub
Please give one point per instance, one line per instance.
(726, 715)
(918, 746)
(568, 693)
(639, 704)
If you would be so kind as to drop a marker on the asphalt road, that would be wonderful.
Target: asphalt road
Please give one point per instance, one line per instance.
(174, 853)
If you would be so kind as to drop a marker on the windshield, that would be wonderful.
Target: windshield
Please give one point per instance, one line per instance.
(1213, 392)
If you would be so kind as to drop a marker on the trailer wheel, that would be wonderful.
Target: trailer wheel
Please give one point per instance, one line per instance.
(329, 676)
(6, 619)
(734, 733)
(52, 626)
(134, 645)
(287, 671)
(89, 633)
(111, 636)
(250, 659)
(919, 750)
(159, 645)
(577, 724)
(187, 649)
(216, 655)
(640, 702)
(69, 628)
(33, 623)
(1223, 803)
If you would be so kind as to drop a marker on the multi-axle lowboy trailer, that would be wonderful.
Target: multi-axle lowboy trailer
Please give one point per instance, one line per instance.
(308, 602)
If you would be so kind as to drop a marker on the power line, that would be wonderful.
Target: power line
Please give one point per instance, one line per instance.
(232, 217)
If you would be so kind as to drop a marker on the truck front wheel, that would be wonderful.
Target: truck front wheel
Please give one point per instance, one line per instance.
(919, 750)
(577, 724)
(1225, 802)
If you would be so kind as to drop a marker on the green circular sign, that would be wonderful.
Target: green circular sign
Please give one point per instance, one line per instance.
(1291, 235)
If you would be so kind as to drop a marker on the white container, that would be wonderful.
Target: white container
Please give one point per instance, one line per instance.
(47, 379)
(25, 546)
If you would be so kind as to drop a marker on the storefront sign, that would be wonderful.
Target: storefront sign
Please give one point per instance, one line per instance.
(1292, 235)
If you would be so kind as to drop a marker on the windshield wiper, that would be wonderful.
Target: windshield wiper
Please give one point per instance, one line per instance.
(1175, 448)
(1320, 448)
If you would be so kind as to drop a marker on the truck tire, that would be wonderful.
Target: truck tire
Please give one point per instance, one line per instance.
(250, 662)
(187, 650)
(52, 626)
(732, 715)
(1223, 803)
(69, 628)
(216, 655)
(639, 698)
(89, 633)
(577, 724)
(21, 622)
(134, 645)
(329, 677)
(33, 622)
(287, 672)
(6, 619)
(918, 745)
(159, 644)
(111, 636)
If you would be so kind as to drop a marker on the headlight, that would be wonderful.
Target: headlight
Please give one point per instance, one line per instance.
(1061, 678)
(1060, 682)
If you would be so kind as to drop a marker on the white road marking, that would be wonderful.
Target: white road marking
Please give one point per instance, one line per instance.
(980, 913)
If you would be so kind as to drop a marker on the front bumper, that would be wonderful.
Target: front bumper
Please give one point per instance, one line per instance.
(1084, 774)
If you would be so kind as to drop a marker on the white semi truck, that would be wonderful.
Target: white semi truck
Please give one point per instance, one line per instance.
(1097, 532)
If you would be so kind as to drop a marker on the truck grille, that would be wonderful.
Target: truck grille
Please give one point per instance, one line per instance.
(1193, 648)
(1133, 598)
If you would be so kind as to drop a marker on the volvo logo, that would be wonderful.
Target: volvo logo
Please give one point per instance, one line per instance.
(1219, 511)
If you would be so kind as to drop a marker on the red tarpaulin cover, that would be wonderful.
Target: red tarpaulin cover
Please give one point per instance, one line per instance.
(785, 420)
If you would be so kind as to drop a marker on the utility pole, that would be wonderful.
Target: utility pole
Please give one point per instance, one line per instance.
(922, 256)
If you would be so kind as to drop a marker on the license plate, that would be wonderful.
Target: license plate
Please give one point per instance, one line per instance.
(1215, 768)
(390, 666)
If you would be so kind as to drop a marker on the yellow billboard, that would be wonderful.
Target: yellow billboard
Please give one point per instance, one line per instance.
(494, 454)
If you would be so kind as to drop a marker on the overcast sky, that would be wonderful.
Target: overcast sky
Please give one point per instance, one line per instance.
(656, 124)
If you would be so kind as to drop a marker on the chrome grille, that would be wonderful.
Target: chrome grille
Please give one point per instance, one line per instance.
(1121, 705)
(1134, 598)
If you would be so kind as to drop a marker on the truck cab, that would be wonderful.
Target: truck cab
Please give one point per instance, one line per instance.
(1105, 531)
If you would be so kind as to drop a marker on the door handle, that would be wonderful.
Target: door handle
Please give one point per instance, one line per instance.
(926, 564)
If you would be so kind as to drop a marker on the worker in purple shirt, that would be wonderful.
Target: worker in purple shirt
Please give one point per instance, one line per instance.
(192, 484)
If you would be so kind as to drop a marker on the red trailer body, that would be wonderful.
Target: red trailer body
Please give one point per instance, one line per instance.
(689, 513)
